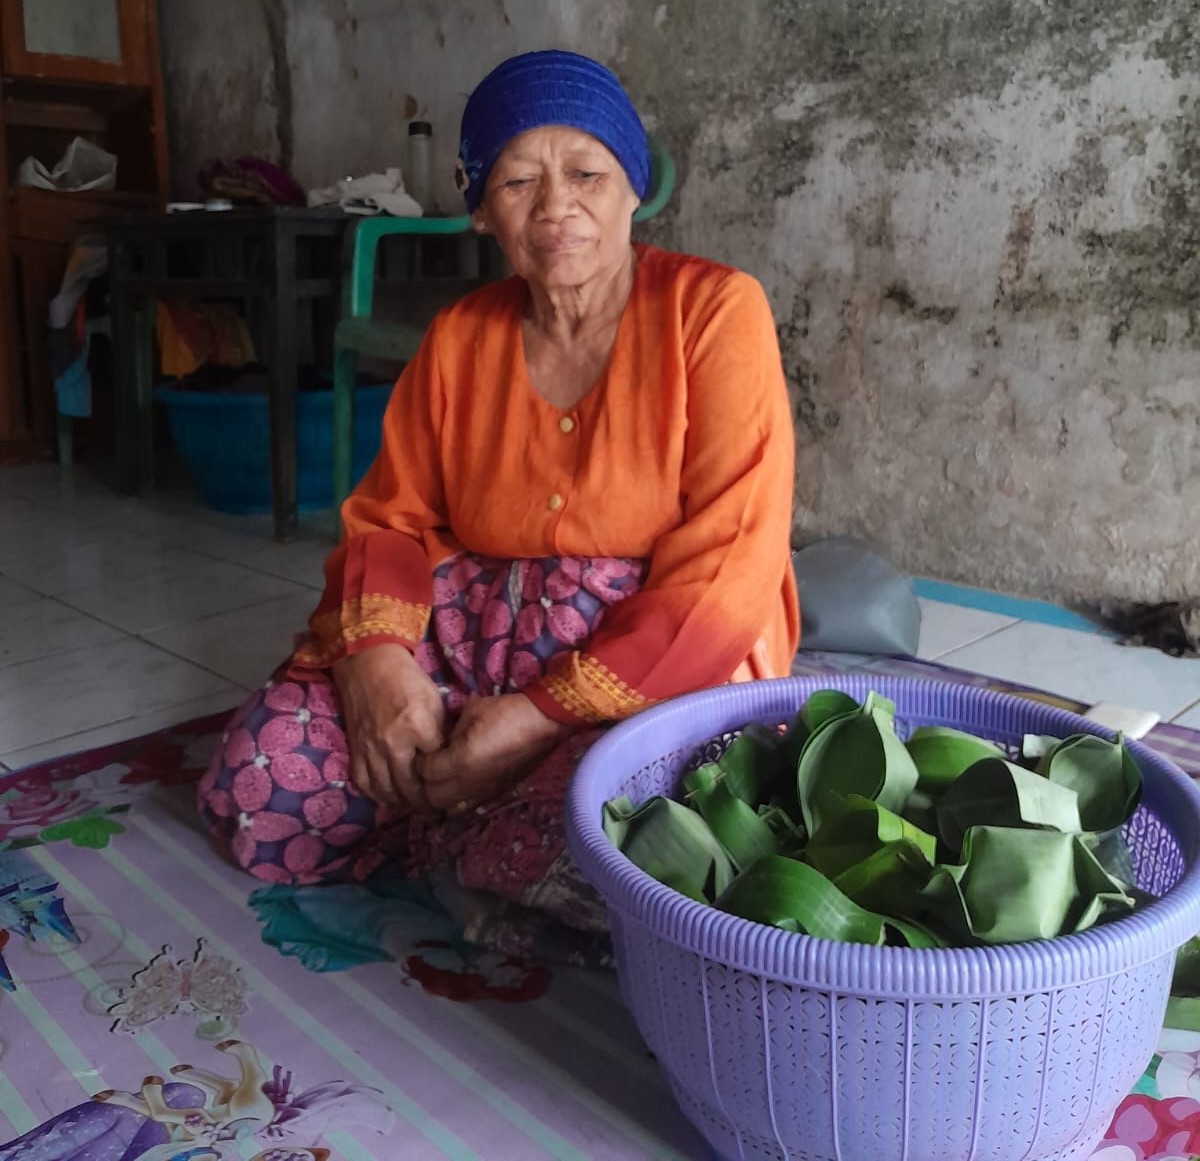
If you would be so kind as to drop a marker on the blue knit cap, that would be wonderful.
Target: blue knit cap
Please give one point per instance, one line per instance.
(548, 88)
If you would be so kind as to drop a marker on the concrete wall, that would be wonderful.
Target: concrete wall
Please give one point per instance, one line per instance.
(219, 75)
(978, 222)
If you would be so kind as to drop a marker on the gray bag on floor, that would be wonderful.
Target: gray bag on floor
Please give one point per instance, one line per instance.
(853, 600)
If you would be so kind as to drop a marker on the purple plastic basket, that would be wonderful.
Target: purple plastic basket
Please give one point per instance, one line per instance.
(782, 1047)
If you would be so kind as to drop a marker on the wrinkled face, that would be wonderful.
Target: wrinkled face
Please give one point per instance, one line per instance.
(560, 206)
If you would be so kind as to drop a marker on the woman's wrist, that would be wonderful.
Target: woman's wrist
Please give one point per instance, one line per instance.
(550, 707)
(553, 730)
(372, 652)
(375, 662)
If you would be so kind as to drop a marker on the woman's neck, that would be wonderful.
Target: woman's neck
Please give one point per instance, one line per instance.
(571, 313)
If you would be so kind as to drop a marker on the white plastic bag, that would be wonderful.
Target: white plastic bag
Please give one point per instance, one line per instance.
(374, 193)
(84, 166)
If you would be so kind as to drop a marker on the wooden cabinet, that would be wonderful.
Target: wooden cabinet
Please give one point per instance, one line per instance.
(100, 41)
(70, 68)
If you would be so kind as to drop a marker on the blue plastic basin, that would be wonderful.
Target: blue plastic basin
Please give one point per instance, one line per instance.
(224, 440)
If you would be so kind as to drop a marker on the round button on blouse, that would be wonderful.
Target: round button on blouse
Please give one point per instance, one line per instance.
(566, 425)
(555, 502)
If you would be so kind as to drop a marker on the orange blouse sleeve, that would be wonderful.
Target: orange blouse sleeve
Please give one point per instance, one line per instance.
(379, 580)
(715, 579)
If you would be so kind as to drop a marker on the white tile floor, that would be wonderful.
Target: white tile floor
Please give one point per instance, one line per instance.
(120, 616)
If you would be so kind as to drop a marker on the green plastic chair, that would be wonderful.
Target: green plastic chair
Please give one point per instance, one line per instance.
(357, 333)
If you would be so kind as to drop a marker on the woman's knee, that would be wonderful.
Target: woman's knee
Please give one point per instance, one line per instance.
(276, 794)
(279, 847)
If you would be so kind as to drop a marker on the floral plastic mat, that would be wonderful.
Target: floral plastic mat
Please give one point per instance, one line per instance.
(156, 1005)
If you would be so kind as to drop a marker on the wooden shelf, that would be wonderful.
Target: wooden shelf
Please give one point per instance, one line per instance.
(45, 100)
(53, 115)
(72, 92)
(46, 215)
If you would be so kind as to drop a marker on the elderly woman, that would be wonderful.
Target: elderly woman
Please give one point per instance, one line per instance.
(581, 506)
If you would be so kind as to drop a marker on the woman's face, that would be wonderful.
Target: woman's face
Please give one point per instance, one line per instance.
(560, 206)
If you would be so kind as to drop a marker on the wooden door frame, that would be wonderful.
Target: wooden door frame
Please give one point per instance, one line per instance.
(11, 426)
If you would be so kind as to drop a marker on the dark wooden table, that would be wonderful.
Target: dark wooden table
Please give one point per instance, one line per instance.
(273, 260)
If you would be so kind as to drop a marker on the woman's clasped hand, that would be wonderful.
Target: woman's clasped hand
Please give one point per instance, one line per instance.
(404, 752)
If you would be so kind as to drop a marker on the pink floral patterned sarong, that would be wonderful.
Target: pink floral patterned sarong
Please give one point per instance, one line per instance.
(276, 798)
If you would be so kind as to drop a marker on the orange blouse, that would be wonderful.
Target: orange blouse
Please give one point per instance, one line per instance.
(682, 454)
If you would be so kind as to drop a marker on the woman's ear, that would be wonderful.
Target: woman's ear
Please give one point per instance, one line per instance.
(479, 221)
(633, 197)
